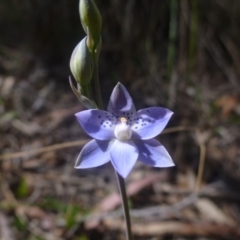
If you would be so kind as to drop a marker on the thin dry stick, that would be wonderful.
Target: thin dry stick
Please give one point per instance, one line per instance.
(55, 147)
(202, 151)
(178, 129)
(82, 142)
(201, 162)
(50, 148)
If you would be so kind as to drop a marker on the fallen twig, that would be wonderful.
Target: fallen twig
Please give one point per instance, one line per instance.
(180, 228)
(43, 150)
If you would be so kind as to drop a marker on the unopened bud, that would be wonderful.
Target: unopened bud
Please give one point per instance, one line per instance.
(91, 20)
(81, 63)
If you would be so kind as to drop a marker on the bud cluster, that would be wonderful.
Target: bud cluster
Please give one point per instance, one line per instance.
(86, 53)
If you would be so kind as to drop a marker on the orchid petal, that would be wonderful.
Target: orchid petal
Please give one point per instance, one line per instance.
(120, 102)
(149, 122)
(124, 155)
(97, 123)
(93, 154)
(153, 153)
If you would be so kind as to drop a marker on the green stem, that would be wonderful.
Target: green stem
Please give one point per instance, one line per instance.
(122, 189)
(96, 83)
(120, 180)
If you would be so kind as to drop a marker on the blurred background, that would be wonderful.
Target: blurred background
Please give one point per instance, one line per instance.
(183, 55)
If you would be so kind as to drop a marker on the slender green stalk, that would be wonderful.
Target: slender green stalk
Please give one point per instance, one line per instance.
(121, 183)
(122, 189)
(96, 82)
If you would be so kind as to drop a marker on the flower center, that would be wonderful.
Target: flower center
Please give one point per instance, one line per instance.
(122, 130)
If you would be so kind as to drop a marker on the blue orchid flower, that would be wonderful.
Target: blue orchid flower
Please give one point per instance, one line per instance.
(123, 135)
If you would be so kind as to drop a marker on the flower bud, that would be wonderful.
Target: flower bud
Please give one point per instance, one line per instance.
(91, 20)
(81, 63)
